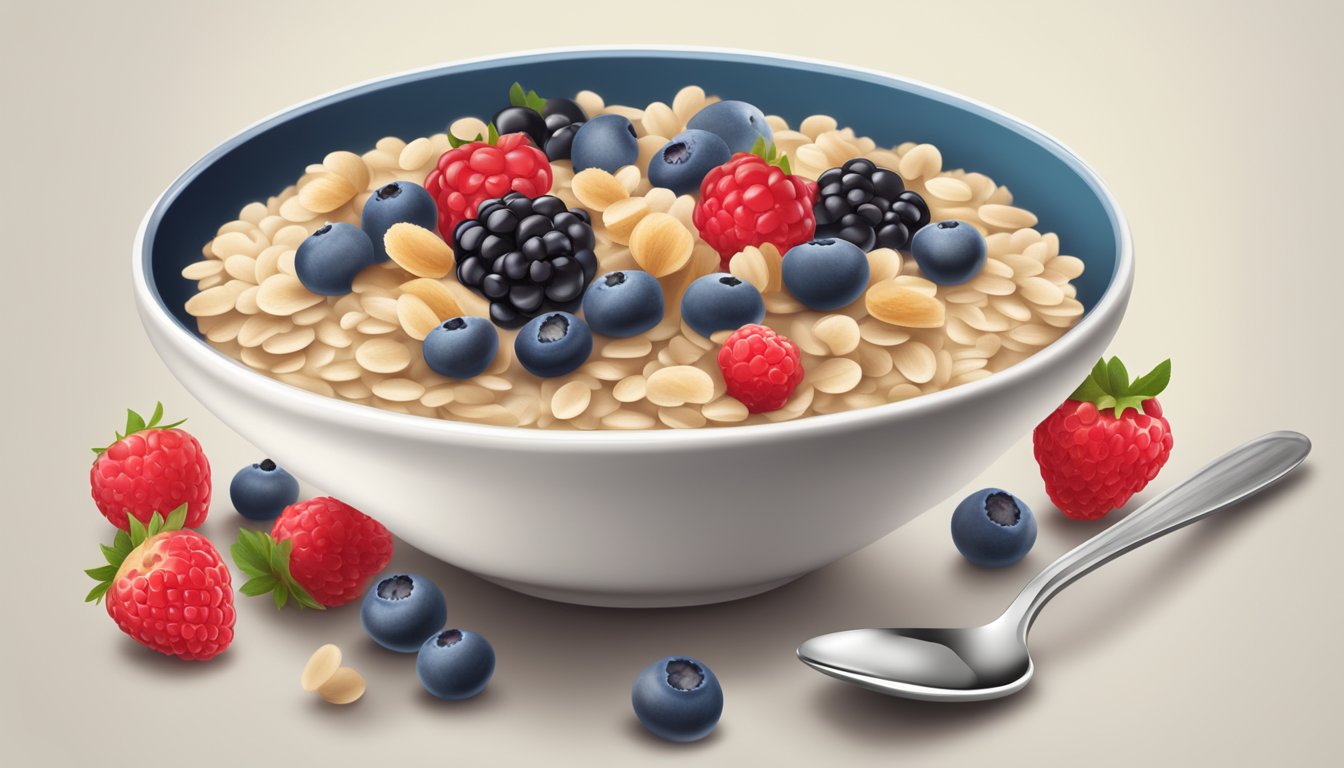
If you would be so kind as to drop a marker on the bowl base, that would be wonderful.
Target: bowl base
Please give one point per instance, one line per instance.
(639, 599)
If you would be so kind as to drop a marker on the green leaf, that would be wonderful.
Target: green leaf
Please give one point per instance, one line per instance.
(259, 585)
(784, 165)
(492, 135)
(155, 525)
(249, 555)
(281, 597)
(304, 599)
(1117, 378)
(1088, 392)
(157, 416)
(279, 557)
(1152, 384)
(99, 451)
(122, 543)
(137, 530)
(96, 594)
(176, 519)
(102, 573)
(758, 147)
(517, 98)
(111, 554)
(1104, 402)
(1099, 372)
(134, 423)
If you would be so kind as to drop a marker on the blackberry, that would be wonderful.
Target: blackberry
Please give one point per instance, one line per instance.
(869, 206)
(549, 123)
(526, 256)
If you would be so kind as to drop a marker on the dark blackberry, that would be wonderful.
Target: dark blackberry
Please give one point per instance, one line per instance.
(526, 256)
(869, 206)
(550, 123)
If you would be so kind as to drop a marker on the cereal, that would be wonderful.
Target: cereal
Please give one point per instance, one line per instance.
(621, 217)
(840, 333)
(418, 251)
(896, 304)
(571, 400)
(326, 192)
(597, 189)
(383, 356)
(660, 244)
(321, 666)
(345, 686)
(835, 376)
(678, 385)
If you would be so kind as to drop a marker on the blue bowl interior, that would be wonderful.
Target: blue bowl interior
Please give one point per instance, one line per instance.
(1044, 177)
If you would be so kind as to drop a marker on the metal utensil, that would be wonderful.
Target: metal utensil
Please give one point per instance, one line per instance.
(990, 661)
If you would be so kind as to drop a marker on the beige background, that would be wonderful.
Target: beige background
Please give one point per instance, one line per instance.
(1218, 130)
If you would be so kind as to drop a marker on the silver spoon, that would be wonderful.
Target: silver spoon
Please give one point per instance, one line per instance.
(990, 661)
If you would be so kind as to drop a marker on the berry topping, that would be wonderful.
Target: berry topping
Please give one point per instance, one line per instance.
(461, 347)
(455, 664)
(328, 260)
(550, 123)
(678, 699)
(469, 174)
(753, 199)
(683, 162)
(721, 302)
(607, 142)
(949, 252)
(760, 367)
(868, 205)
(553, 344)
(401, 610)
(825, 274)
(738, 123)
(262, 491)
(993, 528)
(394, 203)
(525, 256)
(151, 466)
(624, 303)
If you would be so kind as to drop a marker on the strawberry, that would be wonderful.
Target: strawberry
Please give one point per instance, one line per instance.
(1105, 442)
(753, 199)
(488, 167)
(152, 466)
(322, 552)
(167, 588)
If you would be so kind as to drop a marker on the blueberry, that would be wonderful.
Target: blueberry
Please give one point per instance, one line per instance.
(607, 142)
(624, 303)
(678, 699)
(721, 302)
(329, 259)
(738, 123)
(993, 528)
(401, 610)
(461, 347)
(826, 274)
(948, 252)
(455, 664)
(394, 203)
(262, 491)
(683, 162)
(553, 344)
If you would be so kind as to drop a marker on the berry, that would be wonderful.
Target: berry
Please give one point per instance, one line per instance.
(949, 252)
(167, 588)
(993, 528)
(738, 123)
(470, 174)
(678, 699)
(826, 274)
(868, 205)
(607, 142)
(401, 610)
(394, 203)
(721, 302)
(521, 120)
(623, 303)
(455, 664)
(760, 367)
(526, 256)
(549, 123)
(751, 200)
(1105, 442)
(683, 162)
(262, 491)
(461, 347)
(322, 552)
(150, 467)
(328, 260)
(553, 344)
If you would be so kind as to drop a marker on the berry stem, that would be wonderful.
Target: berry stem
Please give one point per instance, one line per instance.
(1108, 386)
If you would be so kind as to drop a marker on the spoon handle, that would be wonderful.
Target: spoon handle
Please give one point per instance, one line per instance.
(1237, 474)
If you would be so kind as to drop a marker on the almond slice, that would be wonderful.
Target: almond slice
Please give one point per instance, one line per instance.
(418, 251)
(326, 192)
(905, 307)
(660, 244)
(321, 666)
(345, 686)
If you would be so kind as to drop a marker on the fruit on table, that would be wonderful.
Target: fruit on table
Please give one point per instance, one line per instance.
(471, 173)
(525, 256)
(623, 303)
(151, 466)
(721, 302)
(993, 528)
(321, 552)
(825, 274)
(868, 205)
(400, 610)
(682, 163)
(607, 142)
(949, 252)
(678, 699)
(261, 491)
(760, 367)
(553, 344)
(1103, 444)
(461, 347)
(455, 664)
(397, 202)
(738, 123)
(753, 199)
(328, 260)
(167, 588)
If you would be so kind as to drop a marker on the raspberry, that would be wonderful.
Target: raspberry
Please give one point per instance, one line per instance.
(149, 468)
(1094, 459)
(751, 201)
(760, 367)
(472, 173)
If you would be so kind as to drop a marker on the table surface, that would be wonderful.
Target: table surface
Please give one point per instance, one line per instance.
(1216, 645)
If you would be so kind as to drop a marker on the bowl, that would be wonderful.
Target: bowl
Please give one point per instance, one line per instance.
(646, 518)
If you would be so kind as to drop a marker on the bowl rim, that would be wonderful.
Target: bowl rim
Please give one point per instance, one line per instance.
(153, 309)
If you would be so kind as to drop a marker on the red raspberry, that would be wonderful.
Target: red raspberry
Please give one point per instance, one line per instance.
(751, 201)
(330, 551)
(149, 468)
(168, 588)
(1106, 442)
(470, 174)
(760, 367)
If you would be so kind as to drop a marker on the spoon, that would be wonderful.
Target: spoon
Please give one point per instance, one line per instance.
(991, 661)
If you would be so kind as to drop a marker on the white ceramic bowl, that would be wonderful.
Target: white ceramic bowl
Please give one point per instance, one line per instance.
(655, 518)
